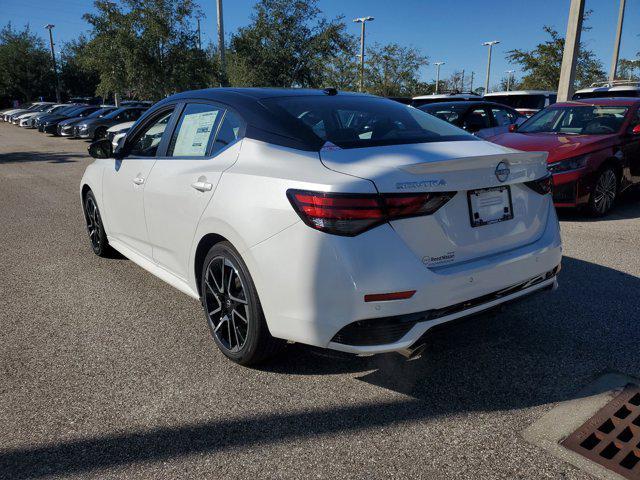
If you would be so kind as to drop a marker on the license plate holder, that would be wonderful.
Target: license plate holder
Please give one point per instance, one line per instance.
(490, 205)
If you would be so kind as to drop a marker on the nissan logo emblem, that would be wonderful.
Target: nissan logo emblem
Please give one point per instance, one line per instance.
(502, 171)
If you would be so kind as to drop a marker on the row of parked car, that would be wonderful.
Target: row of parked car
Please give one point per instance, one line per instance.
(75, 119)
(592, 142)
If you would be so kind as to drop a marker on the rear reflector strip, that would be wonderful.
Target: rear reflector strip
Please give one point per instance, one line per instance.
(385, 297)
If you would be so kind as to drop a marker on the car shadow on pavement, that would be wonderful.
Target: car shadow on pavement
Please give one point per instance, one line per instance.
(537, 352)
(627, 207)
(50, 157)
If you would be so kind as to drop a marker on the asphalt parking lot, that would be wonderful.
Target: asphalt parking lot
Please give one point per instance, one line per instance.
(105, 371)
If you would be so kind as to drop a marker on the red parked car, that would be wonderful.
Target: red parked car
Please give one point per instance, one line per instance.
(593, 145)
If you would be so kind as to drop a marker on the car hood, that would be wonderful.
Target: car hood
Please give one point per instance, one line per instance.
(559, 147)
(70, 121)
(120, 126)
(54, 118)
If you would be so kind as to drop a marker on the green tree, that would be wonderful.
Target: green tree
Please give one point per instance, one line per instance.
(26, 71)
(287, 44)
(147, 48)
(628, 69)
(392, 70)
(75, 78)
(542, 64)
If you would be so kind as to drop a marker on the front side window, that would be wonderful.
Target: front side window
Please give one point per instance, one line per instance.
(146, 143)
(448, 112)
(503, 117)
(363, 121)
(577, 120)
(195, 130)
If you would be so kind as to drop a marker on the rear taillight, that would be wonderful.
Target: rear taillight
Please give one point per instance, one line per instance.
(350, 214)
(542, 185)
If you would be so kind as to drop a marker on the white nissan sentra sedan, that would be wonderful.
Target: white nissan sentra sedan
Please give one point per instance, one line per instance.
(344, 221)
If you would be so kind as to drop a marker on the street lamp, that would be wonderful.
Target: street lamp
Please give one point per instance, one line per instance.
(490, 45)
(362, 20)
(49, 27)
(509, 75)
(438, 65)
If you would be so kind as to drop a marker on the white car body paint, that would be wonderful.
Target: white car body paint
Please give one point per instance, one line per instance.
(312, 284)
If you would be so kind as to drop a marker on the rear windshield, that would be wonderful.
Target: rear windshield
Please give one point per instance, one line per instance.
(362, 121)
(607, 94)
(587, 120)
(534, 102)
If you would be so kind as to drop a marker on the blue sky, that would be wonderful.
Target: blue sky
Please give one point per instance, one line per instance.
(451, 31)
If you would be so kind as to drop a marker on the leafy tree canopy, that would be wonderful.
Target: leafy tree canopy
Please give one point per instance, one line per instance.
(146, 48)
(542, 64)
(26, 70)
(287, 44)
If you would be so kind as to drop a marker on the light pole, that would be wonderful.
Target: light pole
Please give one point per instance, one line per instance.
(438, 65)
(223, 69)
(616, 45)
(49, 27)
(509, 75)
(490, 45)
(362, 20)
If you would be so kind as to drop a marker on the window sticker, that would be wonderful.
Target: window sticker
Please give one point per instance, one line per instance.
(194, 134)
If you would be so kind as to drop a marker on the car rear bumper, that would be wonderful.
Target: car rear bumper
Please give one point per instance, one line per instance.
(312, 285)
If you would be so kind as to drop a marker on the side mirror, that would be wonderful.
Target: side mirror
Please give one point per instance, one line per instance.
(636, 130)
(101, 149)
(513, 127)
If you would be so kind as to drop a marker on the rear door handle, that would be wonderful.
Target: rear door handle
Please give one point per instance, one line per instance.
(202, 186)
(138, 180)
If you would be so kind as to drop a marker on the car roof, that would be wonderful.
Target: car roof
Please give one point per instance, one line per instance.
(446, 95)
(521, 92)
(616, 88)
(465, 103)
(606, 101)
(263, 123)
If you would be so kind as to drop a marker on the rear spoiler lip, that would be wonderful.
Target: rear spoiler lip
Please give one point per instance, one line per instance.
(516, 159)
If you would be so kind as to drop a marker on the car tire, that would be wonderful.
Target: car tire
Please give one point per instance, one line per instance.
(95, 227)
(100, 133)
(232, 308)
(604, 193)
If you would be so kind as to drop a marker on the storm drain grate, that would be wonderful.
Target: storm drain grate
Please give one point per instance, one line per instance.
(611, 437)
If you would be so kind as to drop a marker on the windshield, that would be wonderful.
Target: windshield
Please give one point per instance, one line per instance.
(577, 120)
(363, 121)
(101, 112)
(534, 102)
(116, 112)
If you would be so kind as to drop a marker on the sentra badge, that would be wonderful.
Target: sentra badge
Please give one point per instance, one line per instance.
(421, 184)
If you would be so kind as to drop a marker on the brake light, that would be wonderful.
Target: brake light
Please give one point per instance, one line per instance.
(542, 185)
(351, 214)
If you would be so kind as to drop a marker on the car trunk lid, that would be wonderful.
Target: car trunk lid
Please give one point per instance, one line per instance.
(448, 237)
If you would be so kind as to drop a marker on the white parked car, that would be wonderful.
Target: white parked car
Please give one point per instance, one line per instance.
(343, 221)
(616, 89)
(527, 102)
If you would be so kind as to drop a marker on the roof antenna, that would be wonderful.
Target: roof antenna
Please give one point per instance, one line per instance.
(330, 91)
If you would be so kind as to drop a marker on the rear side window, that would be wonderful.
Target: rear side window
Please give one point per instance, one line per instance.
(195, 130)
(228, 133)
(363, 121)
